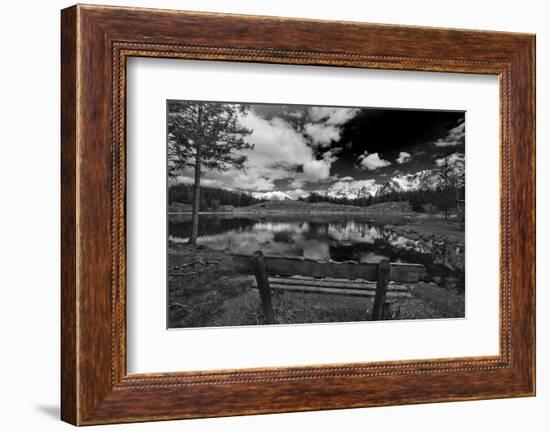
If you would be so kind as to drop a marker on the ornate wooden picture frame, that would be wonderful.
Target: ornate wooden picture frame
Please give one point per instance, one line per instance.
(96, 41)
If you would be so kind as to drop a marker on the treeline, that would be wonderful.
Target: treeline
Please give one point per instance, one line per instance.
(420, 200)
(431, 200)
(210, 197)
(317, 197)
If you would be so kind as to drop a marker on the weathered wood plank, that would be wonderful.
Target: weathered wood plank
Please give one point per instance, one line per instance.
(288, 266)
(333, 283)
(260, 271)
(407, 272)
(335, 291)
(381, 288)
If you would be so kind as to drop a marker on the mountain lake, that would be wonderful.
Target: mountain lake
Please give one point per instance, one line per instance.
(336, 237)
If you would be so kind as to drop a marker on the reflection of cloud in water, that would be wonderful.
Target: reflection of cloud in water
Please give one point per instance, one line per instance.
(371, 257)
(314, 249)
(272, 239)
(420, 246)
(178, 239)
(280, 227)
(401, 241)
(340, 240)
(354, 232)
(237, 242)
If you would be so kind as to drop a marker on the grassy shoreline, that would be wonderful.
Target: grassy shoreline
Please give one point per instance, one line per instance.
(295, 207)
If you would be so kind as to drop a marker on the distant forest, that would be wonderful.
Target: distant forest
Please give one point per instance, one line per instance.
(210, 197)
(420, 201)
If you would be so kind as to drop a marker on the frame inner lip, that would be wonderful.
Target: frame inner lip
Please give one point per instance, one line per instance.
(190, 52)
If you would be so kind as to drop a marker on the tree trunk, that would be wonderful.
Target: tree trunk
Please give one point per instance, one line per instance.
(196, 196)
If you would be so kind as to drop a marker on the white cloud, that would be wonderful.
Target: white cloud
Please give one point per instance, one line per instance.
(322, 134)
(347, 179)
(455, 136)
(333, 116)
(314, 171)
(298, 183)
(279, 150)
(275, 142)
(317, 170)
(372, 161)
(404, 157)
(326, 122)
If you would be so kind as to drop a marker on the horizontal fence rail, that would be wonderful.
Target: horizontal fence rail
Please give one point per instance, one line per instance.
(290, 265)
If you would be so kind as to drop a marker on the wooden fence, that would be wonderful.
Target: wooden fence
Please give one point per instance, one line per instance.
(298, 274)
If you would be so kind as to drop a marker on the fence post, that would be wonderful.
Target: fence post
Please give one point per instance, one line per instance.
(260, 272)
(381, 288)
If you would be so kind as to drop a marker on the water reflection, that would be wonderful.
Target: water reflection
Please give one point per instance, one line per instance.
(339, 240)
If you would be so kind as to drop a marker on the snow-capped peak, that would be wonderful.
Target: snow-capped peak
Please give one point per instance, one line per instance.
(353, 189)
(272, 196)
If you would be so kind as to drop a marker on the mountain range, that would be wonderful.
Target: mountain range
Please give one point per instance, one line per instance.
(347, 188)
(272, 196)
(421, 180)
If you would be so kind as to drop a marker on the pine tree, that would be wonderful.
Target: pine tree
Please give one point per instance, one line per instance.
(452, 175)
(205, 136)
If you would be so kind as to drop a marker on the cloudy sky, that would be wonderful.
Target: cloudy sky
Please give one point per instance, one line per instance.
(300, 149)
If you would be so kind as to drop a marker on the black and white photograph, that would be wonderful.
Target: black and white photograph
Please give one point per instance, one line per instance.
(297, 214)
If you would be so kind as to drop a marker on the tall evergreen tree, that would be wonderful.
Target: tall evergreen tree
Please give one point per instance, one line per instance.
(205, 136)
(451, 174)
(445, 174)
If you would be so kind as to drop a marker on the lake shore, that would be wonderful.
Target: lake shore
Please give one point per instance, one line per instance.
(430, 226)
(391, 212)
(296, 207)
(445, 238)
